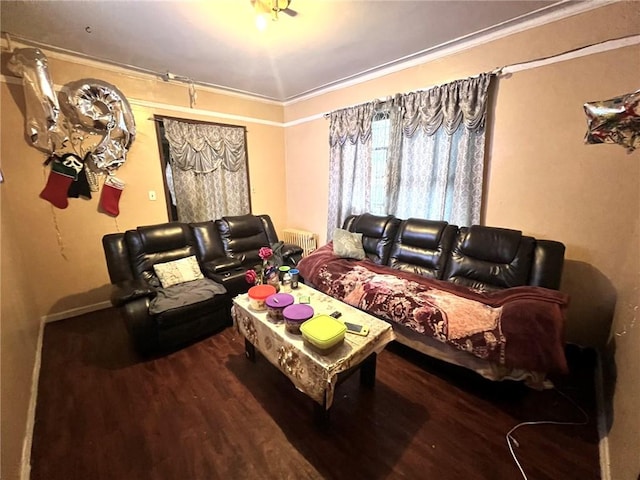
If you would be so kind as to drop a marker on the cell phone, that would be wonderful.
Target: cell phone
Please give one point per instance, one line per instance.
(357, 329)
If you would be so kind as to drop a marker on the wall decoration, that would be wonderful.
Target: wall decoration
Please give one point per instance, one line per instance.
(42, 109)
(86, 130)
(95, 106)
(616, 120)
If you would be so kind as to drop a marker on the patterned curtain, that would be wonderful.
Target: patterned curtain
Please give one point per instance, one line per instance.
(349, 164)
(434, 164)
(208, 169)
(441, 153)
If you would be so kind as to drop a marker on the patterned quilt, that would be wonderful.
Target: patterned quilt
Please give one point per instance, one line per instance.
(519, 327)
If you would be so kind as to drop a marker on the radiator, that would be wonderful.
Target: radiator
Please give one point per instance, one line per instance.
(308, 241)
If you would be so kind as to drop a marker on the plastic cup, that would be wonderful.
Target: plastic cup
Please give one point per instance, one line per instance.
(295, 277)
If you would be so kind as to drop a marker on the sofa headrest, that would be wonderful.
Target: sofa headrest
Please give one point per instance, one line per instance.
(496, 245)
(378, 233)
(372, 225)
(208, 242)
(422, 233)
(244, 225)
(164, 237)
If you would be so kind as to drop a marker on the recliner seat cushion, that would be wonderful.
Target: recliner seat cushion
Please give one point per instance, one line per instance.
(176, 303)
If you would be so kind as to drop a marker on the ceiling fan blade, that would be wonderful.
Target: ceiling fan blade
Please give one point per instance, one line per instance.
(289, 11)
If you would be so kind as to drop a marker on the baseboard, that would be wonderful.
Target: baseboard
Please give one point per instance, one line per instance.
(74, 312)
(25, 467)
(603, 435)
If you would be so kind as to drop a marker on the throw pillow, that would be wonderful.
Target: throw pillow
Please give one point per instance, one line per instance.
(347, 244)
(179, 271)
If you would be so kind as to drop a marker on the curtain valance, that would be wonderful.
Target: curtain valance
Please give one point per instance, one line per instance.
(444, 105)
(204, 148)
(447, 105)
(352, 124)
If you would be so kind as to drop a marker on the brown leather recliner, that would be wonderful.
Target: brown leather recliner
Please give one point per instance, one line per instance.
(224, 250)
(243, 236)
(130, 259)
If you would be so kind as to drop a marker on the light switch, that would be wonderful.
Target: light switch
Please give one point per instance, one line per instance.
(152, 195)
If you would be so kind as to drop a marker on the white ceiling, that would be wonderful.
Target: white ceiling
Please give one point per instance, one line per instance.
(216, 42)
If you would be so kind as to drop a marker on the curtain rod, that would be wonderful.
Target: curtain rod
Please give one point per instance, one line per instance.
(578, 52)
(389, 97)
(161, 118)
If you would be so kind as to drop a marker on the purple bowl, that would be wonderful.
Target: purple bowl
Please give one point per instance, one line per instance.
(276, 304)
(296, 315)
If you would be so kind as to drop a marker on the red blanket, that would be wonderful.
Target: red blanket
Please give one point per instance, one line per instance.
(520, 327)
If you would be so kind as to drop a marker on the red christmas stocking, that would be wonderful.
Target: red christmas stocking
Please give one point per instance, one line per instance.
(111, 191)
(55, 191)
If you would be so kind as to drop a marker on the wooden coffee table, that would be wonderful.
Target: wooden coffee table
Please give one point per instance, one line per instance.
(312, 373)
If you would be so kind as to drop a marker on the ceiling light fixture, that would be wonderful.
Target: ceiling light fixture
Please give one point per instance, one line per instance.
(269, 9)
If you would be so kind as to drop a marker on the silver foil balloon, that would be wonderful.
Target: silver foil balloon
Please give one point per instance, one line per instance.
(109, 155)
(42, 109)
(99, 107)
(615, 121)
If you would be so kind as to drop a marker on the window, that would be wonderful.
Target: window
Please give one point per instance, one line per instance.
(380, 135)
(205, 169)
(420, 154)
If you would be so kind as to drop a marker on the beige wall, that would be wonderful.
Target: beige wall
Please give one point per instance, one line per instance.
(52, 260)
(542, 178)
(19, 325)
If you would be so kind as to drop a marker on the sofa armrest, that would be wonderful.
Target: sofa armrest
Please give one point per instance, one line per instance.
(140, 325)
(289, 249)
(221, 265)
(125, 292)
(291, 254)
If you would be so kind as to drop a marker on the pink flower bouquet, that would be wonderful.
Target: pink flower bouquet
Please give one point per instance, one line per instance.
(265, 253)
(260, 275)
(251, 276)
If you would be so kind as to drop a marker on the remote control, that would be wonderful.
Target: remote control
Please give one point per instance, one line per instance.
(336, 314)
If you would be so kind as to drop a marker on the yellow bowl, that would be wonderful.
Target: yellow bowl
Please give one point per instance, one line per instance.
(323, 333)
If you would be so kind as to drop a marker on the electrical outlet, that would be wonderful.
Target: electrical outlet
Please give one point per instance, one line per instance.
(152, 195)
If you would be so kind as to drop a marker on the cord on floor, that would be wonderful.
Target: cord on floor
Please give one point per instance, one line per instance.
(511, 441)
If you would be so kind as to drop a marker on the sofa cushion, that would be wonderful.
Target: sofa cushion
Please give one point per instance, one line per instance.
(497, 245)
(157, 244)
(163, 237)
(422, 247)
(172, 303)
(178, 271)
(347, 244)
(207, 240)
(487, 258)
(242, 237)
(378, 233)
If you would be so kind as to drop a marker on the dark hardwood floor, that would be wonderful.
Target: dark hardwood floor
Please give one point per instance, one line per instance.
(206, 412)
